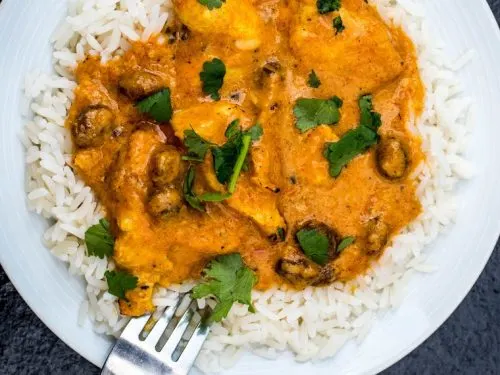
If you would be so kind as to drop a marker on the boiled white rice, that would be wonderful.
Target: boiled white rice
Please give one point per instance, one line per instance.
(313, 324)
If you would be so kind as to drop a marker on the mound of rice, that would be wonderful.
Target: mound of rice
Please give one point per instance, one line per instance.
(313, 324)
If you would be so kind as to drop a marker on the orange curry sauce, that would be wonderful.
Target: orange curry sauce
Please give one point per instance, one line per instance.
(269, 48)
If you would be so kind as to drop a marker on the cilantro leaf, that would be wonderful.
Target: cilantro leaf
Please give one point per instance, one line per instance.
(227, 156)
(99, 240)
(282, 234)
(255, 132)
(196, 201)
(240, 161)
(355, 141)
(214, 197)
(346, 242)
(225, 159)
(229, 280)
(338, 25)
(212, 77)
(197, 146)
(232, 129)
(313, 80)
(158, 106)
(211, 4)
(327, 6)
(187, 189)
(310, 113)
(119, 282)
(315, 244)
(369, 118)
(228, 160)
(352, 144)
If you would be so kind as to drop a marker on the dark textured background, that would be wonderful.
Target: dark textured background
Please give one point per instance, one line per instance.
(468, 343)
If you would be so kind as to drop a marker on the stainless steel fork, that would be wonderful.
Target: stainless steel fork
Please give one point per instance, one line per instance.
(166, 342)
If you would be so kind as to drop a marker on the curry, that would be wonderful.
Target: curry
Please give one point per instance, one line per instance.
(262, 74)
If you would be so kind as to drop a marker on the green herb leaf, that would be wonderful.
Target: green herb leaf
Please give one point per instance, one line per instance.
(158, 106)
(315, 245)
(327, 6)
(281, 234)
(197, 146)
(240, 161)
(229, 280)
(346, 242)
(369, 118)
(212, 77)
(338, 25)
(313, 80)
(211, 4)
(232, 129)
(227, 156)
(229, 160)
(352, 144)
(356, 141)
(99, 240)
(119, 282)
(196, 201)
(255, 132)
(310, 113)
(189, 195)
(214, 197)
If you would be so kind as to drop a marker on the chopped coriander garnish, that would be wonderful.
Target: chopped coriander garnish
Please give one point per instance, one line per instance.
(212, 77)
(229, 280)
(310, 113)
(158, 106)
(197, 146)
(346, 242)
(197, 201)
(338, 25)
(187, 190)
(214, 197)
(327, 6)
(228, 160)
(369, 118)
(355, 141)
(313, 80)
(99, 240)
(119, 282)
(245, 146)
(315, 244)
(281, 234)
(227, 156)
(211, 4)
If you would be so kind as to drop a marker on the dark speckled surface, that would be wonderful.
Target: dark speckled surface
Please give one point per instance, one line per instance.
(468, 343)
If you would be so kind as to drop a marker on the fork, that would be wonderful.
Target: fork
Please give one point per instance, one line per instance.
(166, 342)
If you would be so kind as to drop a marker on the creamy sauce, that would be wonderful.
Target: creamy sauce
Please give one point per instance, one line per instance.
(269, 48)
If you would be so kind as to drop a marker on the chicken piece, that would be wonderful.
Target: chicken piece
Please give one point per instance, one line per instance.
(363, 53)
(209, 120)
(259, 204)
(139, 301)
(312, 166)
(237, 19)
(130, 183)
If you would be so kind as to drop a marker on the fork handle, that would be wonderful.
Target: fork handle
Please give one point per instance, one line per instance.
(128, 359)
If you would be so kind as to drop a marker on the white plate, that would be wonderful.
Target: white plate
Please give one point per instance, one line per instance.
(44, 282)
